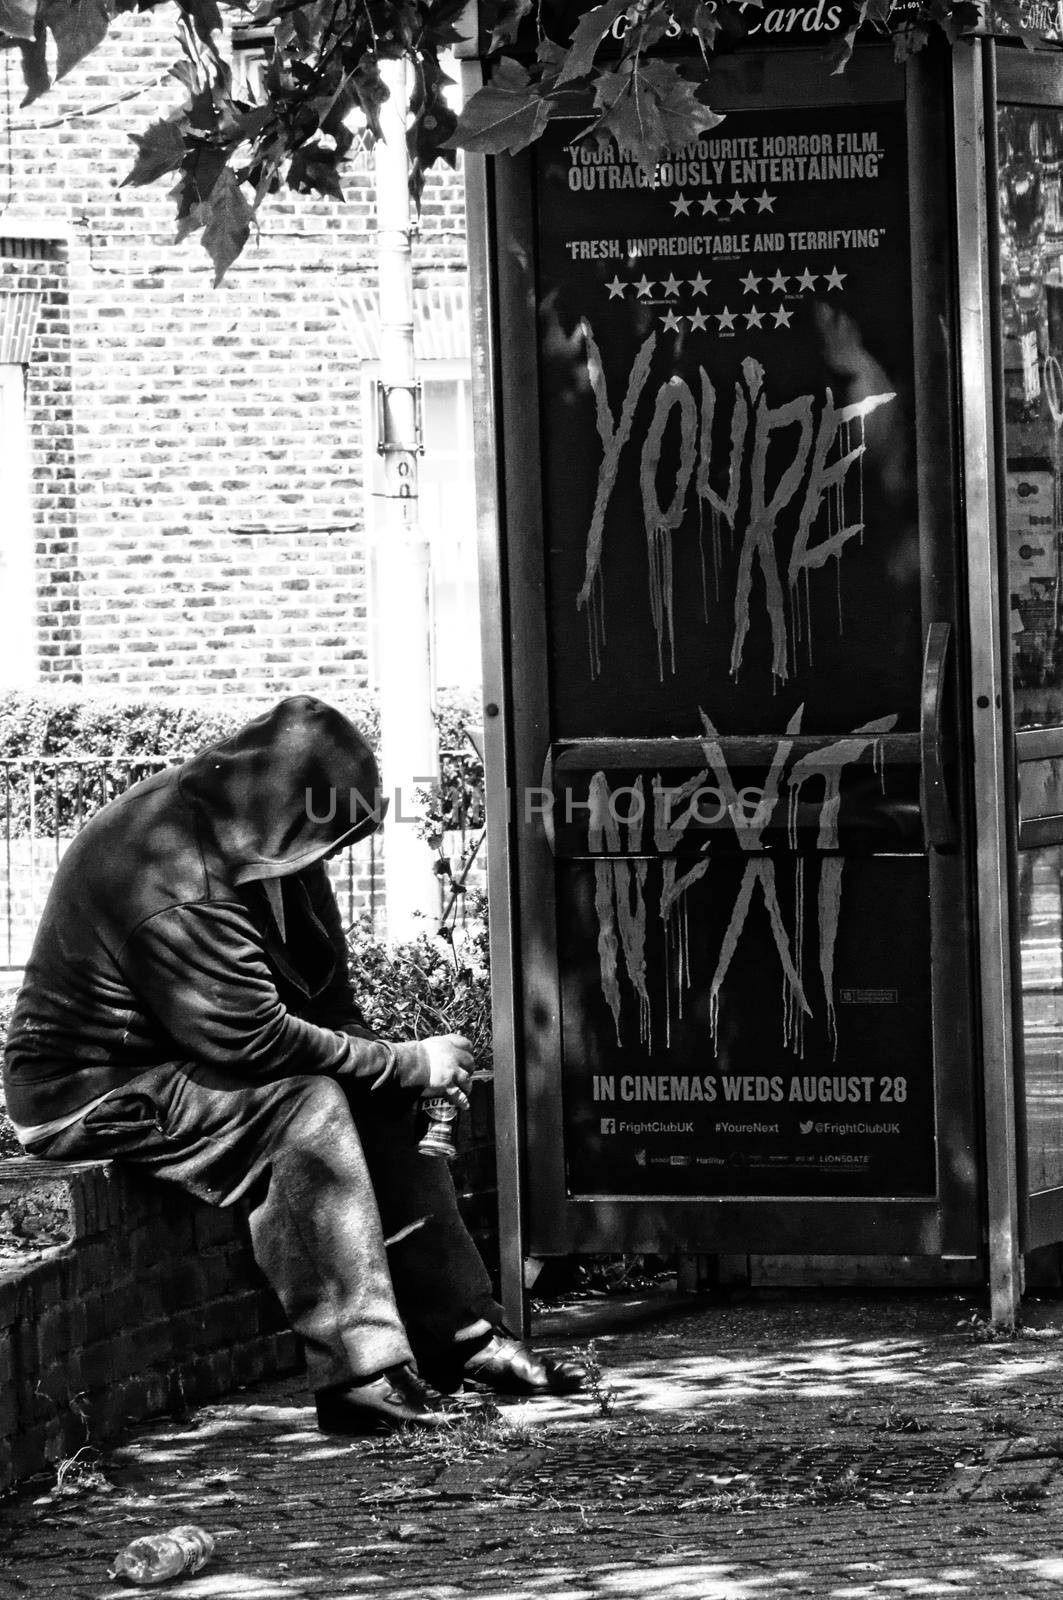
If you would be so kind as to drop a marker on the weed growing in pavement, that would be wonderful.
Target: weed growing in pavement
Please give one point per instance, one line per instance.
(78, 1474)
(981, 1330)
(1003, 1426)
(599, 1388)
(903, 1422)
(478, 1433)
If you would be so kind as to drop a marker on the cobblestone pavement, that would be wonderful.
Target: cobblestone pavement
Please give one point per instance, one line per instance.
(826, 1445)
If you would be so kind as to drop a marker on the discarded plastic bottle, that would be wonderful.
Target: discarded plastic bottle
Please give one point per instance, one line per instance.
(158, 1557)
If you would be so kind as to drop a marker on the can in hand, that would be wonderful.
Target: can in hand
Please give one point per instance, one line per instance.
(442, 1119)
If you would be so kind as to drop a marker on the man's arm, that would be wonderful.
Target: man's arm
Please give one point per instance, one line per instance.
(447, 1058)
(201, 972)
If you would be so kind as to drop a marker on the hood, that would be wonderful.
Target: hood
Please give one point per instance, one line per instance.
(285, 790)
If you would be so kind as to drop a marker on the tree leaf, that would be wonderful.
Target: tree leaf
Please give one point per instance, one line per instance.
(227, 219)
(506, 114)
(696, 18)
(311, 172)
(204, 17)
(649, 109)
(908, 41)
(77, 26)
(589, 34)
(1011, 14)
(371, 90)
(35, 72)
(683, 116)
(508, 18)
(841, 55)
(160, 149)
(18, 18)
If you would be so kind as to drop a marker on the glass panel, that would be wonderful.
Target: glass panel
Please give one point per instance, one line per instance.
(1030, 152)
(1041, 923)
(1030, 146)
(1041, 789)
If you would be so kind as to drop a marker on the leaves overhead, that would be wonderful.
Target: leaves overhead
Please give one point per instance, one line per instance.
(18, 18)
(638, 72)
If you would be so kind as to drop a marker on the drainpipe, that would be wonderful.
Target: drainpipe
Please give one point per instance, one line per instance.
(408, 743)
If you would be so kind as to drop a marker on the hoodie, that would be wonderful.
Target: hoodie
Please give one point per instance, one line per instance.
(191, 919)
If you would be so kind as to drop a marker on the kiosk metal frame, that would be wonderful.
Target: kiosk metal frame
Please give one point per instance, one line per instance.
(981, 1208)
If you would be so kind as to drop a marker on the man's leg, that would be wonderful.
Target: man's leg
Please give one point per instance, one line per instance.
(441, 1285)
(290, 1148)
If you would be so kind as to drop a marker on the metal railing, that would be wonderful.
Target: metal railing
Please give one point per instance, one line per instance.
(45, 800)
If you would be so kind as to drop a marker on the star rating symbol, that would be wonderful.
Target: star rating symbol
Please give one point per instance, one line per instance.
(782, 317)
(671, 322)
(699, 321)
(644, 286)
(681, 206)
(726, 319)
(806, 280)
(616, 289)
(778, 281)
(709, 205)
(737, 203)
(765, 201)
(833, 279)
(671, 285)
(698, 284)
(750, 283)
(754, 318)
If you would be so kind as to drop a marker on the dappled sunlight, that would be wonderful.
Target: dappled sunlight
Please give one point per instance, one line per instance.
(680, 1577)
(821, 1369)
(793, 1452)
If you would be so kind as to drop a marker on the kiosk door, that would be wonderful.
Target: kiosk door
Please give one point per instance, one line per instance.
(1030, 174)
(740, 900)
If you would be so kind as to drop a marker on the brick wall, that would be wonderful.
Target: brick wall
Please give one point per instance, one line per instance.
(214, 437)
(152, 1302)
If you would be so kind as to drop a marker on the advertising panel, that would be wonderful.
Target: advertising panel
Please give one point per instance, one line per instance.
(733, 563)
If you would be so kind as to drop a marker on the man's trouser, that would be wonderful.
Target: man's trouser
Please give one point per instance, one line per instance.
(327, 1180)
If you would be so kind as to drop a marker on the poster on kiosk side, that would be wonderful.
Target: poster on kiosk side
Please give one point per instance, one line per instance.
(732, 554)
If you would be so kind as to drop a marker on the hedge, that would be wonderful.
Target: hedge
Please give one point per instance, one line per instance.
(67, 721)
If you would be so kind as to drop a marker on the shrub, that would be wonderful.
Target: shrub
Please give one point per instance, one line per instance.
(425, 987)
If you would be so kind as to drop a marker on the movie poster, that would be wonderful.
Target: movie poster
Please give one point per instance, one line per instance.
(733, 562)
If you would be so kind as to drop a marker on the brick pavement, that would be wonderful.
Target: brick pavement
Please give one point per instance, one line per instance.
(814, 1445)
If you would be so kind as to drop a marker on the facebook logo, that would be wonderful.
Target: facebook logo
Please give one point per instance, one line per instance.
(608, 1124)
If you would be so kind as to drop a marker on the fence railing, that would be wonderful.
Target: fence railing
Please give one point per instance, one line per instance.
(45, 800)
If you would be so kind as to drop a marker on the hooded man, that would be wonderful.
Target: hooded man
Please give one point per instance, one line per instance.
(187, 1008)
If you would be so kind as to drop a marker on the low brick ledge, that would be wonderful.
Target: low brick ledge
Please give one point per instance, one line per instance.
(140, 1301)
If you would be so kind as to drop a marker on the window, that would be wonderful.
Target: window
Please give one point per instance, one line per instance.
(448, 515)
(447, 508)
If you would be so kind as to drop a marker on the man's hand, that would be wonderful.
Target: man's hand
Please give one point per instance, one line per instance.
(450, 1063)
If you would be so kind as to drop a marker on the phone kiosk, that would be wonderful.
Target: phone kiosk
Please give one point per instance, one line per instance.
(771, 511)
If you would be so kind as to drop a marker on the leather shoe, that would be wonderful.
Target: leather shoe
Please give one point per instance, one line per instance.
(398, 1398)
(509, 1366)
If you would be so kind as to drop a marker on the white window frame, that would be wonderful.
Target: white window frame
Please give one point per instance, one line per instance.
(457, 371)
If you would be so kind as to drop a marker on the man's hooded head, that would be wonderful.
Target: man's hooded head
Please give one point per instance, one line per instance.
(285, 790)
